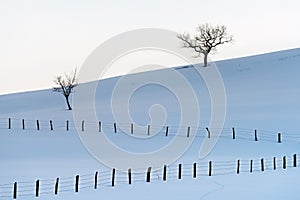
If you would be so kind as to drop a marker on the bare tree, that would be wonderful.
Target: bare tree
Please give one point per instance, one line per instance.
(66, 85)
(206, 40)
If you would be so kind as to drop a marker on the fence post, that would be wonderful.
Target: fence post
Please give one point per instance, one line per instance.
(238, 167)
(262, 165)
(251, 166)
(233, 133)
(23, 124)
(115, 127)
(82, 125)
(9, 123)
(100, 126)
(284, 162)
(255, 135)
(131, 128)
(195, 170)
(96, 180)
(113, 177)
(274, 163)
(188, 132)
(56, 186)
(148, 175)
(37, 188)
(179, 171)
(295, 160)
(279, 137)
(15, 190)
(165, 173)
(167, 130)
(129, 176)
(209, 168)
(148, 131)
(37, 125)
(67, 125)
(208, 132)
(51, 125)
(77, 183)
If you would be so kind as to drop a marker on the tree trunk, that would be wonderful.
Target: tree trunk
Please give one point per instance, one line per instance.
(68, 103)
(205, 59)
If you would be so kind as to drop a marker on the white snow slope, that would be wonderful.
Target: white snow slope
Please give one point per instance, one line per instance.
(263, 93)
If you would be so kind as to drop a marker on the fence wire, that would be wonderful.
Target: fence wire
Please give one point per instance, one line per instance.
(164, 131)
(188, 170)
(173, 172)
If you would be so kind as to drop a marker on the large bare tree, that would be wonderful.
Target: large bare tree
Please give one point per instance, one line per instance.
(66, 85)
(206, 39)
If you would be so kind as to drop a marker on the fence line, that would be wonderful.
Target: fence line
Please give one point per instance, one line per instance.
(174, 130)
(110, 178)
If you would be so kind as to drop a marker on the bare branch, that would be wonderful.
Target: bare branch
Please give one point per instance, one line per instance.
(206, 40)
(66, 85)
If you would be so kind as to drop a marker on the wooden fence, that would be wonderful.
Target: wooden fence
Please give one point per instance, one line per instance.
(232, 133)
(172, 172)
(113, 177)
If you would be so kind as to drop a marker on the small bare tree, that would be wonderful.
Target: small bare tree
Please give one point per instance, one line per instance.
(206, 40)
(66, 85)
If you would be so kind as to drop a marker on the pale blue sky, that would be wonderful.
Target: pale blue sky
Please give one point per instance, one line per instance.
(42, 38)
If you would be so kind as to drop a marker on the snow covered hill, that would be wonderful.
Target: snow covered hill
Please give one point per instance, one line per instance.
(262, 93)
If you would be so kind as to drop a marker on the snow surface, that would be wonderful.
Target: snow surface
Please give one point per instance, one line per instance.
(262, 92)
